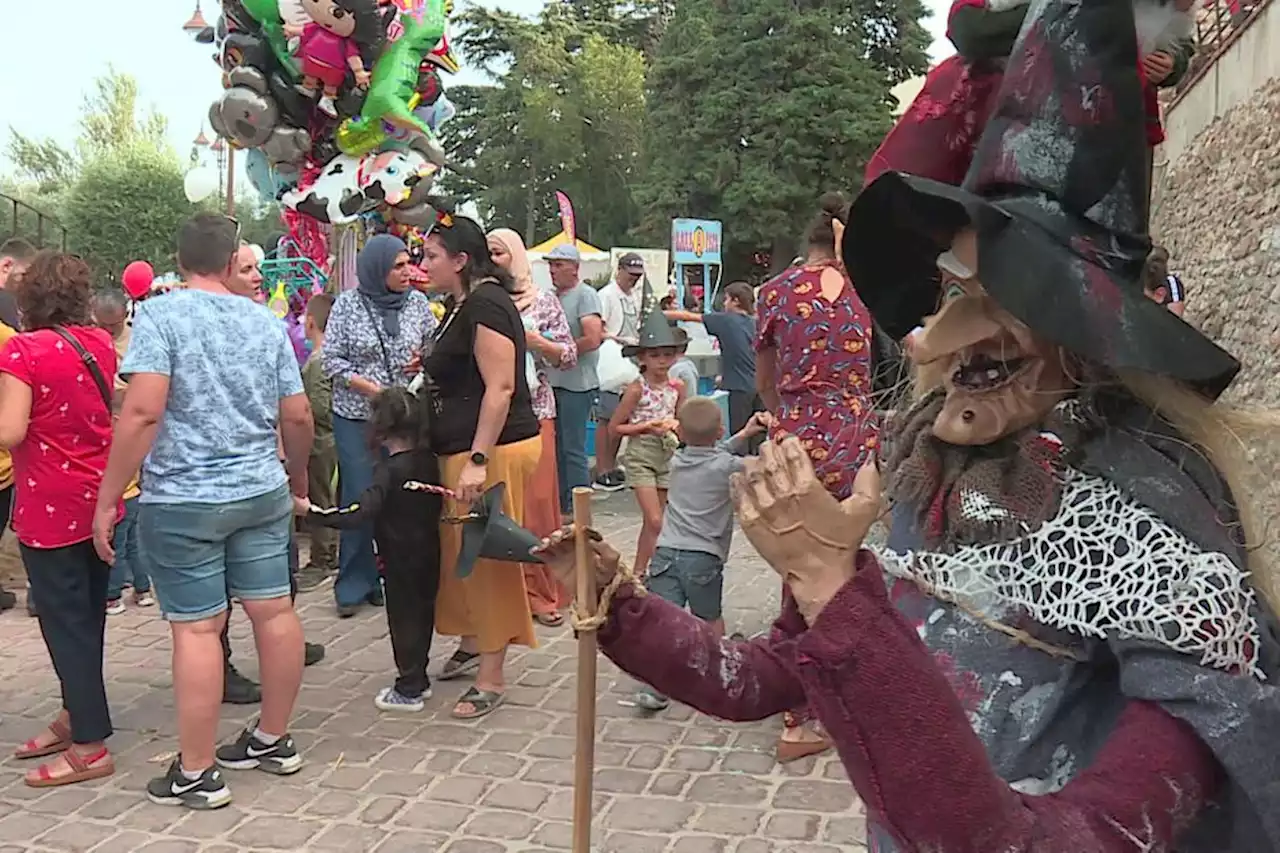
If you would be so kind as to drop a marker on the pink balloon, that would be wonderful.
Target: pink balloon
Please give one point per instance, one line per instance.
(137, 279)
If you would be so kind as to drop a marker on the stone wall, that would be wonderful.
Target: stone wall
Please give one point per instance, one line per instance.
(1217, 209)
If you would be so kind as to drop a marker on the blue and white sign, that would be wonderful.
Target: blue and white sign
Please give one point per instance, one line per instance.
(695, 242)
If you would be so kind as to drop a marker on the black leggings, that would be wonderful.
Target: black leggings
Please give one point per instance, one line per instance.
(412, 583)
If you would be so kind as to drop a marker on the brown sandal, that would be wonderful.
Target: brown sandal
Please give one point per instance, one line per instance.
(83, 769)
(794, 750)
(33, 748)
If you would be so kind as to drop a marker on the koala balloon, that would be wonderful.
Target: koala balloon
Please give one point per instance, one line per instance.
(245, 115)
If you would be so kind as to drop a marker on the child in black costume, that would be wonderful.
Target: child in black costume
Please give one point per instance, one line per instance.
(406, 527)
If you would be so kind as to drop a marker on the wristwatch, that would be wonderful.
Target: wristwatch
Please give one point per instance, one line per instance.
(478, 458)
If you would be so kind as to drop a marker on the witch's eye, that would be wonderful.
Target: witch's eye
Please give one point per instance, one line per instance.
(954, 291)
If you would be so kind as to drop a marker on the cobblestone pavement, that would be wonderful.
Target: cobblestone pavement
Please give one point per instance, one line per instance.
(677, 782)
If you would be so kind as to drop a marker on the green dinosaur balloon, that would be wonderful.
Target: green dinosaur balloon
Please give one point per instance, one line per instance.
(267, 14)
(393, 84)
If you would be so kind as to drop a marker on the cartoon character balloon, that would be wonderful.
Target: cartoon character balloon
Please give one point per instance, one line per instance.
(332, 43)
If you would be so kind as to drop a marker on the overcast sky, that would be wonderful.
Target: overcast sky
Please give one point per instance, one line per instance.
(50, 58)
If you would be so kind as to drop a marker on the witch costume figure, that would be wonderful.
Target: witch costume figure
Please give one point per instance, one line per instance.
(937, 135)
(1067, 644)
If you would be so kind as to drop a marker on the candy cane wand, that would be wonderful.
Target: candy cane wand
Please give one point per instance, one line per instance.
(585, 754)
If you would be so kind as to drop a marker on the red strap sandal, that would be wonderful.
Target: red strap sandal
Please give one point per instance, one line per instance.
(84, 768)
(33, 748)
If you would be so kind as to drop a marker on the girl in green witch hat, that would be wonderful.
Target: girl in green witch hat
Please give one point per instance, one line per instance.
(646, 418)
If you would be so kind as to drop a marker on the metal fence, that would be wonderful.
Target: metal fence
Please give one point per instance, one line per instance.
(1218, 24)
(23, 220)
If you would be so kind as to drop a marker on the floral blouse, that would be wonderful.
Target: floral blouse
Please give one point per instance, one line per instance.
(546, 316)
(355, 346)
(824, 371)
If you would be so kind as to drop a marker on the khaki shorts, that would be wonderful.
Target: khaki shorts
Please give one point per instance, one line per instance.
(648, 460)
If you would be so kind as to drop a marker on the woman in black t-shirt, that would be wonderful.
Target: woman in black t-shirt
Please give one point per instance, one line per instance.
(485, 432)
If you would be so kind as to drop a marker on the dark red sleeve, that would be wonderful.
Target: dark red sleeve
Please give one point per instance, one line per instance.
(679, 655)
(917, 764)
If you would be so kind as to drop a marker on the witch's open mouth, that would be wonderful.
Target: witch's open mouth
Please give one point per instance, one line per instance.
(984, 373)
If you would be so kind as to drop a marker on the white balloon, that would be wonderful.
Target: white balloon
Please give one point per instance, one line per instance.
(199, 184)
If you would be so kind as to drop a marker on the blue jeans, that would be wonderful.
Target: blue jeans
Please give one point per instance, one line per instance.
(129, 567)
(200, 553)
(692, 578)
(357, 569)
(573, 410)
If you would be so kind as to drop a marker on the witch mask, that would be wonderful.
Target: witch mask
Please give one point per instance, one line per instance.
(999, 377)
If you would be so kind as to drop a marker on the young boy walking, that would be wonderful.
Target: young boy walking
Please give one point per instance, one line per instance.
(324, 458)
(687, 568)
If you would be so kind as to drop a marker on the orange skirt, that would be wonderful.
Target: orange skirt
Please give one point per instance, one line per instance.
(491, 603)
(542, 516)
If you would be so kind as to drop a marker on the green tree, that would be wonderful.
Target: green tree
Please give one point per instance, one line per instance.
(118, 190)
(127, 204)
(565, 112)
(756, 107)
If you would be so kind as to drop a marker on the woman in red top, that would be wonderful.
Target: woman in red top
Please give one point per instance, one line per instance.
(55, 418)
(813, 371)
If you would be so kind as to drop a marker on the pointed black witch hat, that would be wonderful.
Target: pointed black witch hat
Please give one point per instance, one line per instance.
(655, 331)
(490, 534)
(1057, 196)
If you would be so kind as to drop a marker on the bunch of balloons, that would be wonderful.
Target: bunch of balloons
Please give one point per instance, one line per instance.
(336, 101)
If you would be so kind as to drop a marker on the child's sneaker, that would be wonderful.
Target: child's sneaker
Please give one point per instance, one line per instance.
(144, 599)
(175, 789)
(115, 606)
(390, 699)
(651, 700)
(249, 753)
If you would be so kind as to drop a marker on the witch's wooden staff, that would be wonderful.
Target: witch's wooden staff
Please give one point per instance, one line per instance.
(585, 754)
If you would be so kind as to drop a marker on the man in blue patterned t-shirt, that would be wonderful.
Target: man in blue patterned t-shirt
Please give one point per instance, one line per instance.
(211, 380)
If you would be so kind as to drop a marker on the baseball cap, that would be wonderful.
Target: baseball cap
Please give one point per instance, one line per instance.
(565, 252)
(631, 262)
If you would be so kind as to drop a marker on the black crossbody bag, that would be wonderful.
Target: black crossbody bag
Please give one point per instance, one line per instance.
(90, 363)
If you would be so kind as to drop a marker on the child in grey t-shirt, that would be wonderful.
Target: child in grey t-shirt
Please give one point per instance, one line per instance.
(687, 567)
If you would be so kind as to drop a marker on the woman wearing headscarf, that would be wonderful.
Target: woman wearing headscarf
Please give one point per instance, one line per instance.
(550, 344)
(375, 339)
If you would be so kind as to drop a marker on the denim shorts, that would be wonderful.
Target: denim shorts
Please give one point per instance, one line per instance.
(200, 554)
(606, 404)
(688, 578)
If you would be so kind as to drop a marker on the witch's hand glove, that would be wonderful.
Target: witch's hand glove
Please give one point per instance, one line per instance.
(806, 535)
(557, 551)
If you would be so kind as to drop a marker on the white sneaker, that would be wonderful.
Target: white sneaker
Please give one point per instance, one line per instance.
(326, 106)
(390, 699)
(144, 599)
(115, 607)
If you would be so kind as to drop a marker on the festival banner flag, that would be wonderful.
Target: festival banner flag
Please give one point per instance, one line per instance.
(566, 217)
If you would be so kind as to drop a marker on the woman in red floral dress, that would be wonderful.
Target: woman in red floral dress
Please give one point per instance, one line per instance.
(813, 370)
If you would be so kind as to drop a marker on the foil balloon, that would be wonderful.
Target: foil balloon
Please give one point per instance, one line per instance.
(437, 113)
(286, 145)
(267, 14)
(334, 196)
(245, 115)
(393, 83)
(268, 180)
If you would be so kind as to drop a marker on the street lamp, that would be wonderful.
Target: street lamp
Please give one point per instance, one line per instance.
(197, 24)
